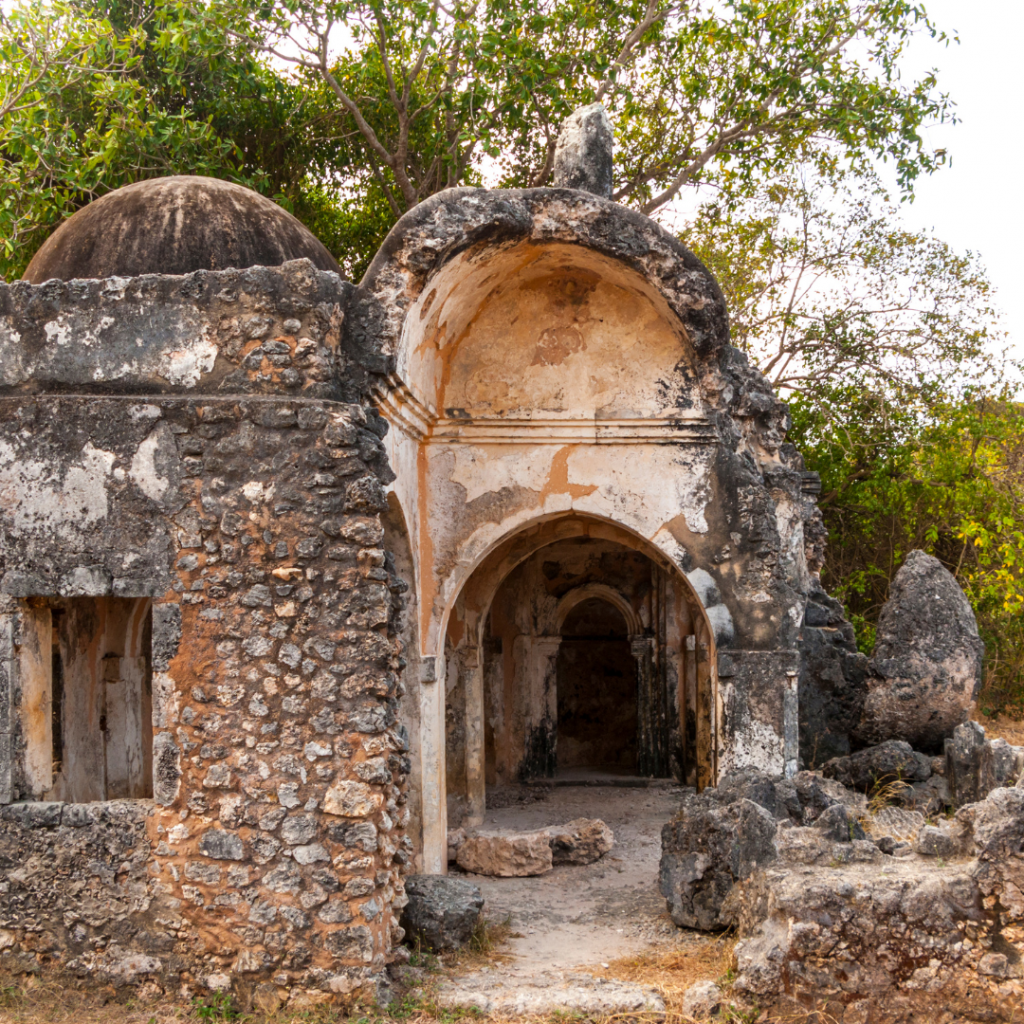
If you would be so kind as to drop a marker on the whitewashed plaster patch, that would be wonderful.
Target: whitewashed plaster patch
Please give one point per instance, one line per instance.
(184, 366)
(257, 492)
(721, 622)
(480, 472)
(651, 485)
(704, 586)
(755, 745)
(149, 465)
(38, 501)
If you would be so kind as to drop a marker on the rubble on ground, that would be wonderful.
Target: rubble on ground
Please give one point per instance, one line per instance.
(507, 854)
(857, 906)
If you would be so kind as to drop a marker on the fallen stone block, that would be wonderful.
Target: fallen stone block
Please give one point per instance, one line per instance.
(1007, 762)
(937, 842)
(456, 837)
(506, 855)
(777, 796)
(705, 850)
(442, 911)
(892, 761)
(701, 999)
(970, 764)
(581, 841)
(549, 993)
(815, 793)
(838, 824)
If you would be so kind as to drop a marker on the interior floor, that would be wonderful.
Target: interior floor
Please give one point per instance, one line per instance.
(602, 775)
(581, 916)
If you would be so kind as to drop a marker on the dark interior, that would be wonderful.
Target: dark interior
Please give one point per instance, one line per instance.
(596, 690)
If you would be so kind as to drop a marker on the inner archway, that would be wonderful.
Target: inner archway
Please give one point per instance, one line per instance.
(518, 707)
(596, 682)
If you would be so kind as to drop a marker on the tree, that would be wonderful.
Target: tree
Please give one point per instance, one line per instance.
(101, 93)
(947, 478)
(824, 286)
(887, 346)
(700, 92)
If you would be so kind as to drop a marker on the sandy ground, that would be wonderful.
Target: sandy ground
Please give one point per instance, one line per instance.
(590, 913)
(570, 924)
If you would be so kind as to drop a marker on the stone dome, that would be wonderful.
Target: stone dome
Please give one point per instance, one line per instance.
(175, 225)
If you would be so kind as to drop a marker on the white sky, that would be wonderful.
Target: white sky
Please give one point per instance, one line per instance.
(978, 202)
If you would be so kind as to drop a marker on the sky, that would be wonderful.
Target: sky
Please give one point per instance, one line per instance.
(977, 203)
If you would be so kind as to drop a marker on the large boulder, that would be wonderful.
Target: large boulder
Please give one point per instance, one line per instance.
(442, 911)
(925, 671)
(705, 850)
(892, 761)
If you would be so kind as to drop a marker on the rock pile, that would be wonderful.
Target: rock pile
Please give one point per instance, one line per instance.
(856, 908)
(877, 936)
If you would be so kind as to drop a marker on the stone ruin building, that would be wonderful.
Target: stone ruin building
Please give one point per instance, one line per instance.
(295, 570)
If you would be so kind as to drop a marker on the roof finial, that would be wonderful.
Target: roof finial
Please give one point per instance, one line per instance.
(583, 153)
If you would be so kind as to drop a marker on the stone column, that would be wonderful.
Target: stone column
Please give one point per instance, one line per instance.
(759, 710)
(541, 719)
(707, 716)
(432, 749)
(650, 713)
(476, 795)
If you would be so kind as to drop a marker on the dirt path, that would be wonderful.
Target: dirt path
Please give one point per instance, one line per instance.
(570, 924)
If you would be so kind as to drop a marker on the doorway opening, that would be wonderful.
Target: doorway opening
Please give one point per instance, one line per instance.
(596, 683)
(85, 665)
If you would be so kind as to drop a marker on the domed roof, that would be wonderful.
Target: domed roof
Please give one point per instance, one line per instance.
(175, 225)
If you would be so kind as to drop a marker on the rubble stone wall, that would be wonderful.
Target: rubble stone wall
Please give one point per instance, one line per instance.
(272, 848)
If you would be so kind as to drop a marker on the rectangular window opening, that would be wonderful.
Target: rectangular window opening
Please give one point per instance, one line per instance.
(87, 694)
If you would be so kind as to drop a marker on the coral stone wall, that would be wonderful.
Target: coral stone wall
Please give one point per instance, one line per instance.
(271, 851)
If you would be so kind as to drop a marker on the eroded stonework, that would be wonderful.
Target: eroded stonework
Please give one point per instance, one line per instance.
(294, 571)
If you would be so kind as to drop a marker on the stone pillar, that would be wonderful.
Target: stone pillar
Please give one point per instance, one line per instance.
(707, 712)
(759, 710)
(652, 746)
(8, 679)
(540, 689)
(475, 782)
(432, 749)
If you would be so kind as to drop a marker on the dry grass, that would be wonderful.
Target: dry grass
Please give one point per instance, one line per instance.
(886, 792)
(671, 972)
(488, 945)
(1002, 727)
(54, 999)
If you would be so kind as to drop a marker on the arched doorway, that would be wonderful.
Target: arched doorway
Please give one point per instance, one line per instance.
(575, 646)
(596, 684)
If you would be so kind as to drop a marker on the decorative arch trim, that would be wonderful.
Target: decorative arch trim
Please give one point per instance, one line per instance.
(601, 592)
(470, 223)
